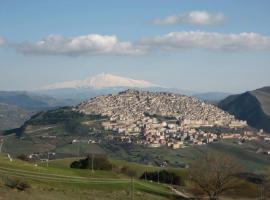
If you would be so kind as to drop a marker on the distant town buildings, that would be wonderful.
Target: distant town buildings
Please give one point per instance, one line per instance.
(156, 118)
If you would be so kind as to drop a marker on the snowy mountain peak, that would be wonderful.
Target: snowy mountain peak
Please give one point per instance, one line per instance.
(101, 81)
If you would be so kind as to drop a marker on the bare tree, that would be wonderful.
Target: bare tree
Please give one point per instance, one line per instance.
(265, 188)
(214, 174)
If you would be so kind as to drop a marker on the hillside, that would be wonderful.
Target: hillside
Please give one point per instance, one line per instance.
(30, 101)
(12, 116)
(17, 106)
(253, 106)
(134, 105)
(70, 133)
(59, 181)
(212, 97)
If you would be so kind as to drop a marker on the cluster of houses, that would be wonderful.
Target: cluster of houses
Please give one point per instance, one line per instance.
(161, 118)
(172, 133)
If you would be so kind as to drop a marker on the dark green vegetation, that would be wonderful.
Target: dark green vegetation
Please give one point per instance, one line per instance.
(162, 176)
(93, 162)
(17, 107)
(253, 106)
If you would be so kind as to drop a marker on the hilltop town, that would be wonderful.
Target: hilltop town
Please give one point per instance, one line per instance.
(158, 118)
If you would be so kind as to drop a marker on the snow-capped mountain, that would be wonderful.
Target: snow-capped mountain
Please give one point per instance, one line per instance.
(101, 81)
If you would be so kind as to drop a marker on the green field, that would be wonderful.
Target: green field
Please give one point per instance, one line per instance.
(59, 181)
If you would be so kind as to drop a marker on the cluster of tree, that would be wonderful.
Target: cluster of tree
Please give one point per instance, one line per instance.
(128, 171)
(95, 162)
(214, 174)
(24, 157)
(162, 176)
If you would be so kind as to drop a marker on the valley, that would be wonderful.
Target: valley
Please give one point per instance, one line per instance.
(164, 136)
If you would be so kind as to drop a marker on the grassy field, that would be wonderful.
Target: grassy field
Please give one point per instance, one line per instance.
(59, 181)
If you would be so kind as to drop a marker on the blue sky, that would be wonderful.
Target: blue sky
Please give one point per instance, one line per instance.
(212, 46)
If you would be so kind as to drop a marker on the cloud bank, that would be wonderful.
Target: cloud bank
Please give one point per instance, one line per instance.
(193, 17)
(92, 44)
(208, 40)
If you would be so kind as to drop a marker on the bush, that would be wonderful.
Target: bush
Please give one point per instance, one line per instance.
(16, 184)
(128, 171)
(100, 162)
(23, 157)
(162, 176)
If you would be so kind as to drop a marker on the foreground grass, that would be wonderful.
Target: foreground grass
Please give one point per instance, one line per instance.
(57, 181)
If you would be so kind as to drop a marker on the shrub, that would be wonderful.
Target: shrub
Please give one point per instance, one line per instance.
(16, 184)
(128, 171)
(162, 176)
(100, 162)
(23, 157)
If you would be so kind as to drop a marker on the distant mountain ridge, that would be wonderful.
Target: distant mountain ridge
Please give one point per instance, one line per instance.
(101, 81)
(212, 97)
(102, 84)
(18, 106)
(12, 116)
(27, 100)
(252, 106)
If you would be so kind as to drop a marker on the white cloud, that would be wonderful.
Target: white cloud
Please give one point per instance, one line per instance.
(209, 40)
(2, 41)
(78, 46)
(100, 45)
(193, 17)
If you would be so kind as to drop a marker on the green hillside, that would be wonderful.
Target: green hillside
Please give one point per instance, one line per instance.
(17, 106)
(58, 181)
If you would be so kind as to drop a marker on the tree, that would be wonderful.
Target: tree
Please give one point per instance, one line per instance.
(162, 176)
(214, 174)
(99, 162)
(265, 192)
(129, 171)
